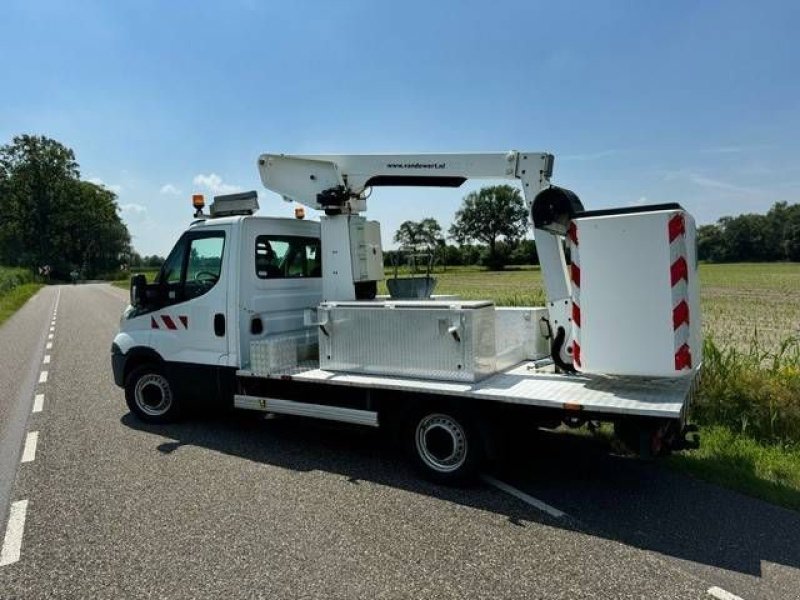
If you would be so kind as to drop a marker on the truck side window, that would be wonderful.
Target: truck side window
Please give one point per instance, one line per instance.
(204, 266)
(287, 256)
(173, 267)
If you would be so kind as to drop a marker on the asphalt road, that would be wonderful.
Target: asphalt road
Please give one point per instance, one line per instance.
(248, 507)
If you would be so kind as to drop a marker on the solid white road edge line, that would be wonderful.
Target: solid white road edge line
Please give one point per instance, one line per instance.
(520, 495)
(43, 377)
(38, 403)
(29, 452)
(12, 544)
(721, 594)
(46, 359)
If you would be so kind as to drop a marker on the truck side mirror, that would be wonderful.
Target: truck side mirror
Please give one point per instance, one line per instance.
(138, 287)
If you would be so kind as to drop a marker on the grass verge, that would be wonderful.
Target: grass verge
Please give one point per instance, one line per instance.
(13, 299)
(766, 471)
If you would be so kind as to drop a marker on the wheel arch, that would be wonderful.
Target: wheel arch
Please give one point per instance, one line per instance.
(138, 356)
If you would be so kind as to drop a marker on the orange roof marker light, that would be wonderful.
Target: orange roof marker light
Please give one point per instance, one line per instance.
(199, 202)
(299, 212)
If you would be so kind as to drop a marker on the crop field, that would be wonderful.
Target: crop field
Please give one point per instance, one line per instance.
(741, 302)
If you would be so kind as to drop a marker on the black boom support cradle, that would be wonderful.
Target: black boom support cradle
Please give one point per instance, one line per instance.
(553, 208)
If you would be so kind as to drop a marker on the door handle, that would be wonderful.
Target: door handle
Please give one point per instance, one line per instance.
(219, 325)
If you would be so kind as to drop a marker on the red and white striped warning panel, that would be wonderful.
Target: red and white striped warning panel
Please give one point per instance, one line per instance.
(575, 278)
(634, 295)
(679, 279)
(171, 322)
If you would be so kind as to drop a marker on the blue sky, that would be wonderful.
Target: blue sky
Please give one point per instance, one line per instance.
(640, 101)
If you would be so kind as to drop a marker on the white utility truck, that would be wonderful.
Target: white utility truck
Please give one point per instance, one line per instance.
(282, 315)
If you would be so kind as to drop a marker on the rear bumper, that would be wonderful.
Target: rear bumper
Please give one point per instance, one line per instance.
(118, 365)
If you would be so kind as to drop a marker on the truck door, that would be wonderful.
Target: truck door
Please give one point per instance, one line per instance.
(190, 329)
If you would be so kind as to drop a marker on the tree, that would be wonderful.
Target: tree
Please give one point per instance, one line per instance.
(419, 236)
(51, 217)
(490, 215)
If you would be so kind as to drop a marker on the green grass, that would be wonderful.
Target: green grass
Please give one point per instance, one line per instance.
(767, 471)
(13, 299)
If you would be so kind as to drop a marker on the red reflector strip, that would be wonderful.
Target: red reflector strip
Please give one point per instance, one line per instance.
(185, 320)
(683, 358)
(679, 270)
(572, 233)
(680, 314)
(153, 323)
(576, 353)
(168, 322)
(676, 227)
(576, 314)
(575, 274)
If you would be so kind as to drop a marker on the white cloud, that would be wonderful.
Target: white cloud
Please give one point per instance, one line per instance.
(117, 189)
(133, 209)
(703, 181)
(214, 184)
(169, 190)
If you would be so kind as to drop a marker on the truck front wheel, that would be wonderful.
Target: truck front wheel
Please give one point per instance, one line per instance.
(150, 395)
(445, 446)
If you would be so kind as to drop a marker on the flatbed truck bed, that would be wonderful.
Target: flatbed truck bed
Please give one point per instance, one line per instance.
(530, 383)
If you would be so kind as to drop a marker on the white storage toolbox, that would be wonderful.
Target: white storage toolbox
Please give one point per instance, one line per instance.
(281, 351)
(451, 341)
(518, 335)
(635, 293)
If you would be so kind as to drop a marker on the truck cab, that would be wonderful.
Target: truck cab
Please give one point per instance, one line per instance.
(226, 282)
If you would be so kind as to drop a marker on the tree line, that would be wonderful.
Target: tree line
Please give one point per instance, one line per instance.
(774, 236)
(489, 229)
(52, 221)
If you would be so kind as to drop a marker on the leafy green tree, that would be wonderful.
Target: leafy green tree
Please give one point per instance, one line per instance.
(51, 217)
(419, 236)
(488, 216)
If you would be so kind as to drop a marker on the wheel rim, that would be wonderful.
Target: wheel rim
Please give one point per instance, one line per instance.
(153, 395)
(441, 443)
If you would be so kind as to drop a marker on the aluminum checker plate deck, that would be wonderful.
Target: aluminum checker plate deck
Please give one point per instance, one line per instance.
(532, 384)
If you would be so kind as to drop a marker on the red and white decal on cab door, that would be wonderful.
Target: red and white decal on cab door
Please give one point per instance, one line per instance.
(679, 279)
(181, 322)
(575, 278)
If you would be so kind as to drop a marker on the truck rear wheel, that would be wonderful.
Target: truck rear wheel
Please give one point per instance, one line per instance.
(150, 395)
(445, 446)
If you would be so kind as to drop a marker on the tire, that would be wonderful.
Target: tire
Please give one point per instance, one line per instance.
(150, 395)
(445, 446)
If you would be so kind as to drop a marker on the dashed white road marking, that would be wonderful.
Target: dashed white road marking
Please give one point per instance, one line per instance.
(721, 594)
(12, 544)
(38, 403)
(528, 499)
(49, 345)
(29, 452)
(52, 329)
(49, 336)
(46, 359)
(43, 377)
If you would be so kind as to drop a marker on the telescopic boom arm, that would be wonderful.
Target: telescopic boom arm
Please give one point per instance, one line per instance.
(339, 184)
